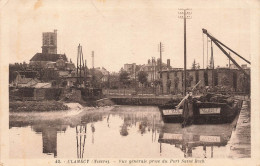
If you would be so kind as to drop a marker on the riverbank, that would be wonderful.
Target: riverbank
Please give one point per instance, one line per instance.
(72, 116)
(53, 105)
(36, 106)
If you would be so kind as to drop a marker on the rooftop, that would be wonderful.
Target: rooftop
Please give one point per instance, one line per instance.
(48, 57)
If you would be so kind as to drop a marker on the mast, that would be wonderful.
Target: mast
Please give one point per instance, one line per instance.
(80, 65)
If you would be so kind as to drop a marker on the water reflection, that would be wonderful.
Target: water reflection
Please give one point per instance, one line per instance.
(146, 121)
(138, 130)
(81, 134)
(49, 137)
(194, 137)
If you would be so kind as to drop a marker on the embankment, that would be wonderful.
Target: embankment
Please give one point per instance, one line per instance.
(36, 106)
(72, 116)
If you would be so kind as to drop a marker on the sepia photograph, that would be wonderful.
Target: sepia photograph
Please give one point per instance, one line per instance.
(142, 82)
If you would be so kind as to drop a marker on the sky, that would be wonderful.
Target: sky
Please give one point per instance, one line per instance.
(122, 31)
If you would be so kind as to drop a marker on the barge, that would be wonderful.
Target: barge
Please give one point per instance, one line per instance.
(207, 109)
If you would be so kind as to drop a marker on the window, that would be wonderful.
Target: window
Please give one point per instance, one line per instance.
(52, 40)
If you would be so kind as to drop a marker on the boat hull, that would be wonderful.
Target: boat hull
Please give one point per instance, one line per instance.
(204, 113)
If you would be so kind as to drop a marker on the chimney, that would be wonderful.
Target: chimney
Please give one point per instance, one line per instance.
(149, 61)
(168, 63)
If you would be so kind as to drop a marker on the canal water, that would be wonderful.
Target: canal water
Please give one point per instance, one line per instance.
(123, 132)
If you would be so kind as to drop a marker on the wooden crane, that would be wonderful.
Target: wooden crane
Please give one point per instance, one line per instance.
(219, 44)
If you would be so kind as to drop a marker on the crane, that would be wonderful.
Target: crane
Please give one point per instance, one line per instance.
(219, 44)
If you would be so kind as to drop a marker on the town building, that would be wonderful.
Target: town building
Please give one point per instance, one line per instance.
(221, 78)
(49, 58)
(39, 60)
(130, 68)
(49, 42)
(63, 67)
(53, 66)
(100, 73)
(153, 67)
(23, 78)
(24, 82)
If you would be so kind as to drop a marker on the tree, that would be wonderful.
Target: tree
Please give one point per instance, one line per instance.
(158, 82)
(198, 66)
(194, 65)
(124, 77)
(142, 77)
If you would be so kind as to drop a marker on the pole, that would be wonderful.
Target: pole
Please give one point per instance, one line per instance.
(160, 57)
(160, 50)
(135, 79)
(212, 66)
(154, 71)
(184, 52)
(212, 56)
(207, 52)
(203, 48)
(186, 15)
(92, 59)
(92, 67)
(80, 65)
(85, 71)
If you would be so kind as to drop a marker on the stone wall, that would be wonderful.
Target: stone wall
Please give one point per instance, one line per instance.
(231, 76)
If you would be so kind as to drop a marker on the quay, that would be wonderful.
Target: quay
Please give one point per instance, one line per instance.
(240, 141)
(152, 99)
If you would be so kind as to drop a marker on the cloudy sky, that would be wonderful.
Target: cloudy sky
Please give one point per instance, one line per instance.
(121, 31)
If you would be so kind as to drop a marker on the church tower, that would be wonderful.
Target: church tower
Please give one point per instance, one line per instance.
(49, 42)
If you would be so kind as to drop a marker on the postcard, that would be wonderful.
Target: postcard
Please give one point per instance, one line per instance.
(141, 82)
